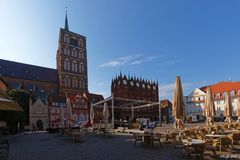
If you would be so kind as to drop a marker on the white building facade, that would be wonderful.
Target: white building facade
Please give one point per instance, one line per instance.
(195, 101)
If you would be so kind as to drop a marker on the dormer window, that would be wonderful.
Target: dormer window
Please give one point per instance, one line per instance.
(74, 42)
(217, 95)
(232, 93)
(224, 94)
(66, 38)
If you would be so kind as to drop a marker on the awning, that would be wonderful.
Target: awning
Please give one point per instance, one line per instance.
(9, 106)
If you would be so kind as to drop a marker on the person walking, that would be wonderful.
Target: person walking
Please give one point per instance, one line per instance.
(33, 128)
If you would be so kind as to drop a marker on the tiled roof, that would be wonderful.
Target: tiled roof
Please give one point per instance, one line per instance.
(26, 71)
(56, 98)
(92, 97)
(95, 97)
(222, 87)
(165, 103)
(77, 98)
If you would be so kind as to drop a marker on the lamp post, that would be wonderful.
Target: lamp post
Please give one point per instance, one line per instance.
(160, 114)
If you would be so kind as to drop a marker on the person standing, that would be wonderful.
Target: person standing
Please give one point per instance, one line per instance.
(33, 128)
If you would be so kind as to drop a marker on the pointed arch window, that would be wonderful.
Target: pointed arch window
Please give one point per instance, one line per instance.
(66, 38)
(79, 54)
(74, 82)
(75, 53)
(81, 68)
(74, 66)
(80, 43)
(83, 87)
(81, 84)
(66, 64)
(67, 81)
(66, 51)
(82, 55)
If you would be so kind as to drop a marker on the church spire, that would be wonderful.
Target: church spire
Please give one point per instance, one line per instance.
(66, 22)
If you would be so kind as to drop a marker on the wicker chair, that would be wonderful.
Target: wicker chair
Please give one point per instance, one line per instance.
(222, 143)
(187, 133)
(172, 137)
(198, 151)
(235, 138)
(200, 136)
(137, 137)
(203, 131)
(157, 138)
(225, 126)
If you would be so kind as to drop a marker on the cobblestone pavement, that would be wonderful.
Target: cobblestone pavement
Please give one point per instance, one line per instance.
(42, 146)
(45, 146)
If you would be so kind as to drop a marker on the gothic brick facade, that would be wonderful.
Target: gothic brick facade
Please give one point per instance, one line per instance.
(134, 88)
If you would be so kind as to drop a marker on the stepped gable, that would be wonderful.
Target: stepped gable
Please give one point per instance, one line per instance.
(134, 87)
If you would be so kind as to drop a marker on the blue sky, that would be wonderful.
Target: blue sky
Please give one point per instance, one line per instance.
(157, 39)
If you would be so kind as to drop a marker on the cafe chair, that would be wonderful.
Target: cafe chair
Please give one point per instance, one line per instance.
(222, 143)
(235, 138)
(198, 151)
(137, 137)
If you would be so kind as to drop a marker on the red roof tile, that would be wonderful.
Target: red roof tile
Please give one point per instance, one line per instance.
(222, 87)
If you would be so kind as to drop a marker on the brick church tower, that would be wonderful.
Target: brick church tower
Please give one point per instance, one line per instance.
(72, 62)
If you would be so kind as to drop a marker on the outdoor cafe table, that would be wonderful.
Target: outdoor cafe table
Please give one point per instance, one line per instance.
(191, 143)
(215, 135)
(231, 131)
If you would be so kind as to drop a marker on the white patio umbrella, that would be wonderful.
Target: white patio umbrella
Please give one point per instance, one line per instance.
(178, 104)
(69, 108)
(105, 114)
(209, 109)
(92, 114)
(238, 109)
(62, 117)
(228, 108)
